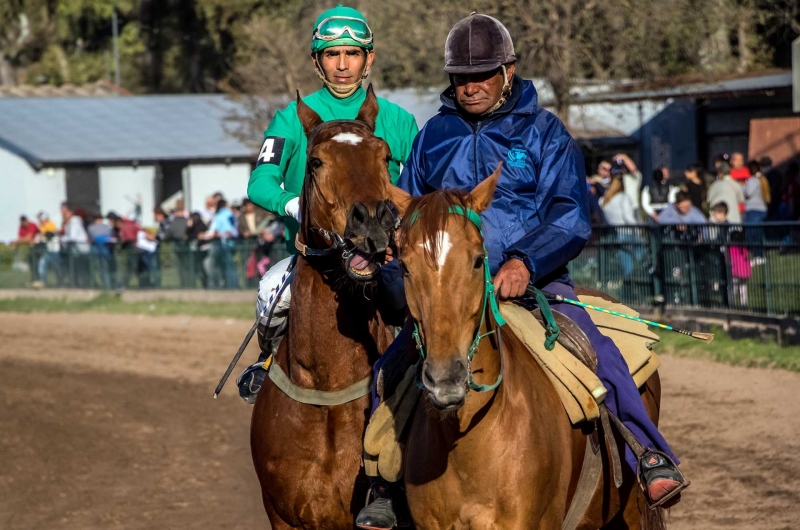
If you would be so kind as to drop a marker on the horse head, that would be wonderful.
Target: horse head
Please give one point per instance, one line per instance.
(442, 257)
(345, 203)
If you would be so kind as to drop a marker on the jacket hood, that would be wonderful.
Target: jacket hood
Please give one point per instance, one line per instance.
(523, 99)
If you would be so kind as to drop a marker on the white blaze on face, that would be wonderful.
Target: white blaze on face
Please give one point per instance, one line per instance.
(347, 138)
(443, 245)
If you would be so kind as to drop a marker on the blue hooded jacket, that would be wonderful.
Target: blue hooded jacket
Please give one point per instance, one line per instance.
(540, 211)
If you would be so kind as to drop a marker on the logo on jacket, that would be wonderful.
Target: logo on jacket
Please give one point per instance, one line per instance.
(517, 157)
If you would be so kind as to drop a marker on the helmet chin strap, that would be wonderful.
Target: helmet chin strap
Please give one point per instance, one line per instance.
(503, 95)
(340, 91)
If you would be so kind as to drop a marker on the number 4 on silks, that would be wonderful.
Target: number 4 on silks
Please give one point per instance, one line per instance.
(271, 151)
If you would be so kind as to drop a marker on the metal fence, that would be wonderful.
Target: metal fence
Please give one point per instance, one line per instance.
(215, 264)
(748, 268)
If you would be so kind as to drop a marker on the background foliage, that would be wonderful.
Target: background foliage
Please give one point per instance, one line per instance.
(261, 46)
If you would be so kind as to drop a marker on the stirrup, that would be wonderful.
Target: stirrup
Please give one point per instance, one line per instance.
(662, 461)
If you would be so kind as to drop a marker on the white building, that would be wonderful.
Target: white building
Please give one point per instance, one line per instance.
(112, 153)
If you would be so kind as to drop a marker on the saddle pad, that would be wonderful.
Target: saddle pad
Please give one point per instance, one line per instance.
(578, 387)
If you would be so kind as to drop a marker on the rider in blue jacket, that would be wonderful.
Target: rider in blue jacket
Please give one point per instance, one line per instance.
(538, 220)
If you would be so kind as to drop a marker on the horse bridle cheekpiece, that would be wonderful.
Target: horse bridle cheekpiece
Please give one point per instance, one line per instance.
(489, 298)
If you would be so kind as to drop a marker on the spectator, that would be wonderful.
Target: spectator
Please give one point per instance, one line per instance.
(102, 236)
(210, 209)
(696, 185)
(75, 246)
(26, 233)
(681, 212)
(793, 190)
(724, 189)
(224, 227)
(657, 195)
(775, 182)
(45, 224)
(163, 221)
(617, 207)
(196, 228)
(719, 213)
(251, 219)
(126, 232)
(740, 268)
(756, 197)
(603, 175)
(631, 179)
(739, 172)
(148, 266)
(176, 234)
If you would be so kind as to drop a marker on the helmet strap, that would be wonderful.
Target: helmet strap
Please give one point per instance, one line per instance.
(504, 93)
(339, 91)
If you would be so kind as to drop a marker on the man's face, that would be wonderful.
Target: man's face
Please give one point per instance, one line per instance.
(719, 217)
(737, 160)
(604, 169)
(159, 217)
(344, 65)
(477, 93)
(684, 207)
(249, 207)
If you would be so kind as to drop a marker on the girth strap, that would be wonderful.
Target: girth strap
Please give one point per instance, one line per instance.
(587, 484)
(318, 397)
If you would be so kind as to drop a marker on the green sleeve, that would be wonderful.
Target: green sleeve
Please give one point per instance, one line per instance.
(409, 132)
(264, 188)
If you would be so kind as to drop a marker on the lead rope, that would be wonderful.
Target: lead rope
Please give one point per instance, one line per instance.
(552, 329)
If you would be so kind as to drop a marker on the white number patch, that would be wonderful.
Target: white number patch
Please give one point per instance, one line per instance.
(271, 151)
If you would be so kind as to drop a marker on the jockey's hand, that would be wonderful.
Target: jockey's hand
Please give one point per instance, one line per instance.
(389, 256)
(512, 279)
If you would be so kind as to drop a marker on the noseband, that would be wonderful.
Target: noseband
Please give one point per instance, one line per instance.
(489, 298)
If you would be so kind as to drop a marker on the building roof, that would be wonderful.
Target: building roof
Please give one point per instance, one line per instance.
(62, 131)
(99, 88)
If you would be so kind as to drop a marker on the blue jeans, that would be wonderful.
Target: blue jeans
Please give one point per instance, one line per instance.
(50, 261)
(622, 399)
(754, 235)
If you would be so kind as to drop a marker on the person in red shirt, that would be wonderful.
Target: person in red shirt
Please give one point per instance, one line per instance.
(27, 231)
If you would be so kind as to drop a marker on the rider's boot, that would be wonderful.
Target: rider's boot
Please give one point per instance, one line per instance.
(252, 378)
(662, 479)
(379, 514)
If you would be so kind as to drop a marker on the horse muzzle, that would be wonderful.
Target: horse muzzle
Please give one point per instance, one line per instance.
(446, 383)
(370, 234)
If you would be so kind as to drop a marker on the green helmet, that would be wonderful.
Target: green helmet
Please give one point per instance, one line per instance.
(341, 26)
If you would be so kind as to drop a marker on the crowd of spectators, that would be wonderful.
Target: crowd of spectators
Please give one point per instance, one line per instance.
(699, 207)
(92, 250)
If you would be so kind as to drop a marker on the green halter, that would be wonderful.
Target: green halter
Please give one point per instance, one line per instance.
(489, 299)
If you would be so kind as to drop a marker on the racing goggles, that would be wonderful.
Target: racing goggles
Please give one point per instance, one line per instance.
(334, 28)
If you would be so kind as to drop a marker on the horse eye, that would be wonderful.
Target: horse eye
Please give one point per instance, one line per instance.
(388, 159)
(314, 163)
(478, 263)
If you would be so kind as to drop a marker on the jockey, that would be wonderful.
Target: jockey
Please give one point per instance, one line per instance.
(342, 55)
(538, 220)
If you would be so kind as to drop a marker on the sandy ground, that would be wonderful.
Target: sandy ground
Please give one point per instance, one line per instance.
(107, 421)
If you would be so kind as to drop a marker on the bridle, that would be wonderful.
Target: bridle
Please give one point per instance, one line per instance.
(338, 243)
(489, 299)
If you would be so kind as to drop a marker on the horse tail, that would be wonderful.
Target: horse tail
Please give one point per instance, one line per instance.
(653, 519)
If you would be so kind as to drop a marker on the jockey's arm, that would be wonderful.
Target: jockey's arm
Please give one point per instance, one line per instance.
(280, 145)
(561, 205)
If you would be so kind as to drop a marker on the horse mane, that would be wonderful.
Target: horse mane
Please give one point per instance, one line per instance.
(430, 213)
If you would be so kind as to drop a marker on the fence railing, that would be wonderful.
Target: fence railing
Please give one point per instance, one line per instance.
(216, 264)
(749, 268)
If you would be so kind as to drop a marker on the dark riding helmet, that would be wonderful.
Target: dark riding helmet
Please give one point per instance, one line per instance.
(477, 44)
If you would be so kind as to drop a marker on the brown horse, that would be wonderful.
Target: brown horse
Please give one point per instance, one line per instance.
(505, 458)
(308, 457)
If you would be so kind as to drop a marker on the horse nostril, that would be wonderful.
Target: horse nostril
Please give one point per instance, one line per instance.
(359, 214)
(427, 379)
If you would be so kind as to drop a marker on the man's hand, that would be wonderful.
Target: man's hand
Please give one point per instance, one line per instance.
(389, 256)
(512, 279)
(630, 164)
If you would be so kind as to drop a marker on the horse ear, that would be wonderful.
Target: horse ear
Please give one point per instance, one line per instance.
(369, 109)
(480, 198)
(399, 198)
(308, 117)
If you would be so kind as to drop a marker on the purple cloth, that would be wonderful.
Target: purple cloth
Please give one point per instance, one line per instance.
(622, 399)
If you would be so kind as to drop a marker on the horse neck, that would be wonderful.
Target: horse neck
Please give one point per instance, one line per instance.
(332, 338)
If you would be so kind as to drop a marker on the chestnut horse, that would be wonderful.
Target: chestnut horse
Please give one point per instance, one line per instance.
(506, 457)
(308, 457)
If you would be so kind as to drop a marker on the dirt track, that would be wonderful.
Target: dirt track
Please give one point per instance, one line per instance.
(107, 421)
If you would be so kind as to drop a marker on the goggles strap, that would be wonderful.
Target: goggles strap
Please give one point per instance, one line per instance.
(340, 91)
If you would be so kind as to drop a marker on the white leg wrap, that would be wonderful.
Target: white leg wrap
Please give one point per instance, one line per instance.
(268, 289)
